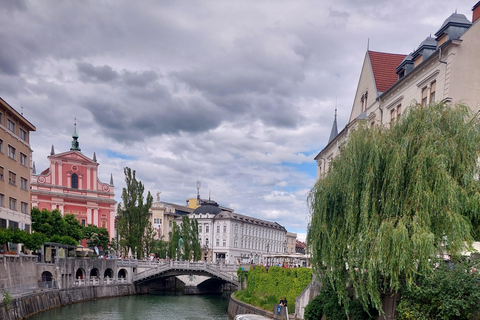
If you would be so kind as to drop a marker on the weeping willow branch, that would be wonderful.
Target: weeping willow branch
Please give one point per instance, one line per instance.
(395, 199)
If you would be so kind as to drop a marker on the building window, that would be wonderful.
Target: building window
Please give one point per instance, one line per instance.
(27, 228)
(23, 183)
(24, 207)
(224, 243)
(200, 229)
(224, 229)
(13, 224)
(1, 145)
(23, 135)
(424, 97)
(11, 152)
(83, 222)
(23, 159)
(235, 228)
(207, 228)
(1, 118)
(218, 229)
(399, 111)
(3, 223)
(1, 174)
(12, 178)
(13, 204)
(170, 223)
(217, 242)
(393, 114)
(433, 87)
(206, 242)
(2, 201)
(74, 181)
(11, 125)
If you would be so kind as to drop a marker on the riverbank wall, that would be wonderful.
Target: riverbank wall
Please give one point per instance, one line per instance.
(26, 305)
(238, 307)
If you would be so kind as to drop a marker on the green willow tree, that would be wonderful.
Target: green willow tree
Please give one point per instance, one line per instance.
(396, 198)
(133, 217)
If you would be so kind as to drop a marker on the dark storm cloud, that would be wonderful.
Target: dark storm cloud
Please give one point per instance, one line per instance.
(90, 73)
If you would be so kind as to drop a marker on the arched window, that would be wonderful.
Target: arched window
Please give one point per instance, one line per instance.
(74, 181)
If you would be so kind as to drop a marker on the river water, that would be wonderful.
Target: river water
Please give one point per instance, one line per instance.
(144, 307)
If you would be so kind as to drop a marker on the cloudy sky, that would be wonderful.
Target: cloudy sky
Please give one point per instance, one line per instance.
(237, 94)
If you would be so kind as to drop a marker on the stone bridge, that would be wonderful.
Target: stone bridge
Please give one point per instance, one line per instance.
(149, 271)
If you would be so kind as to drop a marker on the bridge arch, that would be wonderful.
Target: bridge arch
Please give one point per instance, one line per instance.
(108, 273)
(94, 273)
(122, 274)
(80, 274)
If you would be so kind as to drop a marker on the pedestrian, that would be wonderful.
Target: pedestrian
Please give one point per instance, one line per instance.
(281, 302)
(285, 301)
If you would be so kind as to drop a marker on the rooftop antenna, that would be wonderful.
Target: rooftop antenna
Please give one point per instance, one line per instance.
(209, 195)
(199, 184)
(22, 110)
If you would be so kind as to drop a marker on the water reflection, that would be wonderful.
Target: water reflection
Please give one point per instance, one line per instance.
(144, 307)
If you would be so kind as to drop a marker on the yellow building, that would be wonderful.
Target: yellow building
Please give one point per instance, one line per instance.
(15, 157)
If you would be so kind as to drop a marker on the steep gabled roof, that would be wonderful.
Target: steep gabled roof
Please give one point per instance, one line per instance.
(384, 68)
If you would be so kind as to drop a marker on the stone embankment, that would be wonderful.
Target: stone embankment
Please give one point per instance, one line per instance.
(26, 305)
(238, 307)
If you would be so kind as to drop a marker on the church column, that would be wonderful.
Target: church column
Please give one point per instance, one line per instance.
(95, 217)
(60, 178)
(69, 180)
(89, 216)
(89, 183)
(53, 169)
(80, 181)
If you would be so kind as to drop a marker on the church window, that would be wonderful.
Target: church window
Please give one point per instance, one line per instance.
(224, 229)
(74, 181)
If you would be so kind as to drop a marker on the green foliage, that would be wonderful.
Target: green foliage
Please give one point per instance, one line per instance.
(174, 235)
(191, 245)
(63, 240)
(35, 240)
(51, 223)
(393, 199)
(7, 300)
(327, 303)
(96, 236)
(451, 292)
(265, 289)
(133, 217)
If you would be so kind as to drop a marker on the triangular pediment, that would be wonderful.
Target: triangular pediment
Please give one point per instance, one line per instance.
(72, 155)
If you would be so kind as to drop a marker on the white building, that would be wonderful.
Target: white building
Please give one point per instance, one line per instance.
(226, 236)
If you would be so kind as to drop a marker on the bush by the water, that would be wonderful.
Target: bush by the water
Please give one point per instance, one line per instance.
(264, 289)
(451, 292)
(327, 304)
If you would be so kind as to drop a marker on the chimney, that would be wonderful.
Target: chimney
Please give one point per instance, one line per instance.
(476, 12)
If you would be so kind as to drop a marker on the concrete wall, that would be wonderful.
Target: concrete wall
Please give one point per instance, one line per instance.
(312, 290)
(238, 307)
(17, 272)
(33, 303)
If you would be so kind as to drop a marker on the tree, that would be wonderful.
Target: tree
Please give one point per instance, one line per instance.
(66, 230)
(394, 199)
(96, 236)
(174, 236)
(133, 216)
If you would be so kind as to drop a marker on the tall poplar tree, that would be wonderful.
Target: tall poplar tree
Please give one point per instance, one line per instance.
(133, 217)
(395, 199)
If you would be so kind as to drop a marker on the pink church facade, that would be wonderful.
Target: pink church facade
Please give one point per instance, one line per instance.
(71, 185)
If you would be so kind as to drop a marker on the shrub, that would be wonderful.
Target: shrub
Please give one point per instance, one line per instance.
(451, 292)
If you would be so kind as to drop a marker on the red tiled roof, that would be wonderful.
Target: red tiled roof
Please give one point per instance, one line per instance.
(384, 65)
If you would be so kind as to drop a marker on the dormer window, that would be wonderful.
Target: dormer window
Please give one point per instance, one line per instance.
(74, 181)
